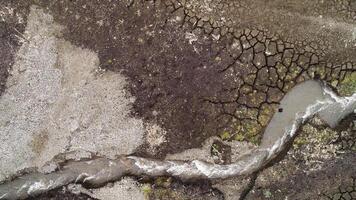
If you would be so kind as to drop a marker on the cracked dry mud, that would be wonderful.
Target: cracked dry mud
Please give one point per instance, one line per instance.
(199, 69)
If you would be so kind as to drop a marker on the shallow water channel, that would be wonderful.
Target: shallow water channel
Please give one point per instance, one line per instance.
(300, 104)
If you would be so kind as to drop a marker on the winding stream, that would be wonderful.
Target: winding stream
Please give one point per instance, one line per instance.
(300, 104)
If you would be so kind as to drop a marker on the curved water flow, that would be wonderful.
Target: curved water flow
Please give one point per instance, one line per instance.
(301, 103)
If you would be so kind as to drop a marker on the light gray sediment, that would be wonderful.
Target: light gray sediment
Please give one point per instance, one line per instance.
(58, 100)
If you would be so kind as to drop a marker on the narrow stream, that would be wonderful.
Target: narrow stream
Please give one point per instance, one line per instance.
(300, 104)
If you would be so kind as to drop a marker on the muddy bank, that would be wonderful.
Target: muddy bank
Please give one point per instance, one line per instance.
(239, 84)
(334, 179)
(192, 75)
(100, 171)
(298, 99)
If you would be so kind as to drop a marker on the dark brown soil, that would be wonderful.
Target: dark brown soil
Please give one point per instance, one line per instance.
(168, 77)
(335, 176)
(167, 189)
(10, 32)
(193, 88)
(61, 194)
(189, 75)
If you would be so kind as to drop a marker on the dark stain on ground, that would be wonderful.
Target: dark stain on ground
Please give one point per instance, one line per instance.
(220, 152)
(10, 32)
(61, 194)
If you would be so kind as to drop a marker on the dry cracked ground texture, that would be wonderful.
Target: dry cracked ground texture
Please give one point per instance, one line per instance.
(203, 68)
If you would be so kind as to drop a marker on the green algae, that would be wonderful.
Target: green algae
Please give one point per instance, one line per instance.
(248, 131)
(347, 87)
(147, 190)
(225, 135)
